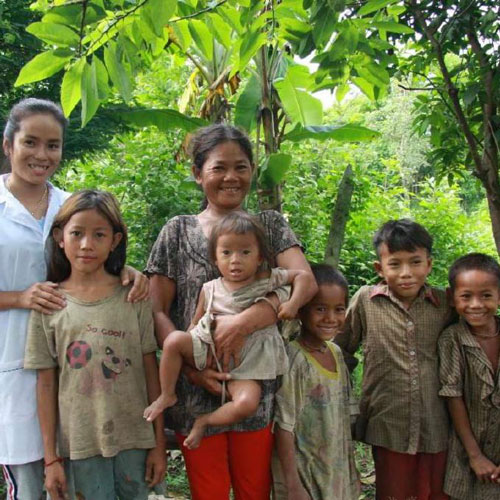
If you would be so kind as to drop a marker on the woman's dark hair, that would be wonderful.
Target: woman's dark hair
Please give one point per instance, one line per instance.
(106, 204)
(28, 107)
(206, 139)
(324, 274)
(402, 235)
(473, 262)
(239, 222)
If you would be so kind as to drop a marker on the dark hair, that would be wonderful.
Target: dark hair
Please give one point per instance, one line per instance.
(28, 107)
(402, 234)
(107, 205)
(473, 262)
(206, 139)
(324, 274)
(239, 222)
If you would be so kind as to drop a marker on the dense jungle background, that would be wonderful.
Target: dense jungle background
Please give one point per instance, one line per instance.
(359, 111)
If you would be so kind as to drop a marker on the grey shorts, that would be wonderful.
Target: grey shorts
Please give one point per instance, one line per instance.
(99, 478)
(25, 481)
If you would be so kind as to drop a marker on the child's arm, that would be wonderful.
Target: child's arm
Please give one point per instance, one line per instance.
(484, 469)
(302, 283)
(285, 446)
(156, 461)
(46, 388)
(199, 312)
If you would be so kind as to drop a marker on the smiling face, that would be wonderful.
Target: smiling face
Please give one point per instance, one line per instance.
(405, 272)
(36, 149)
(238, 257)
(476, 298)
(324, 316)
(87, 240)
(225, 176)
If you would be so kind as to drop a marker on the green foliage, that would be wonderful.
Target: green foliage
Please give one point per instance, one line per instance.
(140, 169)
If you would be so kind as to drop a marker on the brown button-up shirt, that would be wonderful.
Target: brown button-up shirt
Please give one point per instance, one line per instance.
(400, 408)
(466, 372)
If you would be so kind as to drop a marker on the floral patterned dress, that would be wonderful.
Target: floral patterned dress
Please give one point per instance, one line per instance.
(181, 254)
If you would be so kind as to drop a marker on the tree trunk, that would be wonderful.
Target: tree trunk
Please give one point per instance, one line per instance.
(338, 221)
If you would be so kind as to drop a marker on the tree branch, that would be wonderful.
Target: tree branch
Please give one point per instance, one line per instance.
(451, 88)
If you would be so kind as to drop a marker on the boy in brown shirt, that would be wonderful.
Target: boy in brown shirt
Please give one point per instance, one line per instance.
(399, 321)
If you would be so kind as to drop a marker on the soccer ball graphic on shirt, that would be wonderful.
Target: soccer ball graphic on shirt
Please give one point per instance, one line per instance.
(78, 354)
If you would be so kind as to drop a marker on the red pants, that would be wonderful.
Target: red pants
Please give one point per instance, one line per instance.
(238, 459)
(401, 476)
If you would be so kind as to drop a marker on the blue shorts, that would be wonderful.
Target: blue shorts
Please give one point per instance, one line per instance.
(99, 478)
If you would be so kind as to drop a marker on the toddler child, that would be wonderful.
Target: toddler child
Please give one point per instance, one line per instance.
(313, 406)
(399, 321)
(469, 359)
(96, 363)
(237, 246)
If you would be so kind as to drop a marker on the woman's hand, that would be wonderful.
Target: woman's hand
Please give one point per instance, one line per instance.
(55, 481)
(43, 297)
(140, 288)
(483, 468)
(229, 337)
(156, 464)
(211, 380)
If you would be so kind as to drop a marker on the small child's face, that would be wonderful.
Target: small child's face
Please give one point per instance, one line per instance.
(238, 256)
(476, 298)
(324, 316)
(405, 272)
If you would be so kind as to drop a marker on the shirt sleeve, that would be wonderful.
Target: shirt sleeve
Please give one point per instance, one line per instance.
(146, 326)
(278, 284)
(350, 338)
(40, 352)
(290, 395)
(279, 234)
(451, 365)
(163, 258)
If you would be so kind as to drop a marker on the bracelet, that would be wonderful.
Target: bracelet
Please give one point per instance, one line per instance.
(57, 459)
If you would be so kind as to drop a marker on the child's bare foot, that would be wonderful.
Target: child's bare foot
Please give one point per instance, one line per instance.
(196, 435)
(156, 407)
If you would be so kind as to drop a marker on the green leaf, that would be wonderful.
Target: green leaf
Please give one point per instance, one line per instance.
(221, 31)
(159, 12)
(247, 105)
(299, 105)
(373, 73)
(274, 169)
(181, 32)
(250, 44)
(202, 38)
(393, 27)
(374, 5)
(323, 26)
(43, 65)
(342, 133)
(54, 34)
(71, 87)
(102, 78)
(90, 98)
(119, 75)
(365, 87)
(164, 119)
(341, 92)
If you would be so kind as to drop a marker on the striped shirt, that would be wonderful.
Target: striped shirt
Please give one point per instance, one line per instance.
(400, 408)
(465, 371)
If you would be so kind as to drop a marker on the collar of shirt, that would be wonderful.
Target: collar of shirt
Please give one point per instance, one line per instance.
(425, 292)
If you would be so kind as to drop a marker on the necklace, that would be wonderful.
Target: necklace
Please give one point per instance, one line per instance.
(38, 203)
(322, 349)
